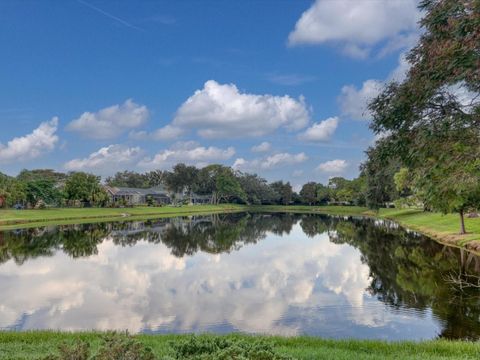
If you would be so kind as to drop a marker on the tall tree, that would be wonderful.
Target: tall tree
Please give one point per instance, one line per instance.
(128, 179)
(283, 191)
(43, 190)
(182, 178)
(256, 189)
(228, 187)
(308, 193)
(58, 178)
(84, 187)
(12, 191)
(432, 119)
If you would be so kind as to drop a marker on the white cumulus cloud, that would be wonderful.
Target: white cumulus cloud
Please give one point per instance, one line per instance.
(321, 131)
(357, 26)
(222, 111)
(270, 162)
(168, 132)
(189, 153)
(42, 140)
(107, 159)
(333, 166)
(263, 147)
(354, 101)
(110, 122)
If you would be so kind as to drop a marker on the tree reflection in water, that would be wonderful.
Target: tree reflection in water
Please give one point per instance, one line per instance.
(407, 270)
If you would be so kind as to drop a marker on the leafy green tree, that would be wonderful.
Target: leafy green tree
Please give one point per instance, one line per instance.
(12, 191)
(379, 172)
(450, 181)
(155, 178)
(57, 178)
(256, 189)
(323, 194)
(181, 178)
(86, 188)
(432, 117)
(308, 193)
(228, 187)
(128, 179)
(43, 190)
(284, 192)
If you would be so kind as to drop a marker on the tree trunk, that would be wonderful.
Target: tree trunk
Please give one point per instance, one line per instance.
(462, 223)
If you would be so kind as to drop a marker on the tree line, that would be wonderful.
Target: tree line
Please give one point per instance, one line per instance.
(45, 187)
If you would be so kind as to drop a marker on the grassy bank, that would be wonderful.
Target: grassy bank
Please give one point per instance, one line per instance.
(36, 345)
(443, 228)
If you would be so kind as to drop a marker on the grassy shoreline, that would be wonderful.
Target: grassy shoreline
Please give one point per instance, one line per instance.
(38, 344)
(442, 228)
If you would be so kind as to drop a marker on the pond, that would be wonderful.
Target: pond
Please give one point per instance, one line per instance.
(284, 274)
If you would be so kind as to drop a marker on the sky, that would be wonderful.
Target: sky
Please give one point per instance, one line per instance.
(277, 88)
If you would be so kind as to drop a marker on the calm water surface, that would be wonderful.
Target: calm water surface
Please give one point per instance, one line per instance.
(257, 273)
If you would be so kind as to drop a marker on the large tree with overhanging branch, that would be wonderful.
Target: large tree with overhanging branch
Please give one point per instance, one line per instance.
(431, 121)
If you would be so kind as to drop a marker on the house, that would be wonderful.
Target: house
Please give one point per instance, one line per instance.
(196, 199)
(135, 196)
(155, 196)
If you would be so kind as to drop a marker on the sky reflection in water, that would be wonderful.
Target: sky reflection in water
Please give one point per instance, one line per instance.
(275, 274)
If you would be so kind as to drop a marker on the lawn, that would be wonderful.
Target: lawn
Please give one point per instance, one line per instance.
(443, 228)
(14, 219)
(35, 345)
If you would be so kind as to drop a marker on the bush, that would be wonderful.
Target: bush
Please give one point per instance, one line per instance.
(115, 347)
(123, 347)
(224, 348)
(78, 351)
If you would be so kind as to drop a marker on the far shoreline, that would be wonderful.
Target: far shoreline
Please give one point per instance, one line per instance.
(440, 228)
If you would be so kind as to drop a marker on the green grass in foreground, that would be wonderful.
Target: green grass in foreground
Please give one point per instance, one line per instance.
(35, 345)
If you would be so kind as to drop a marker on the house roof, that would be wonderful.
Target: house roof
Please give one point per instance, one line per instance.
(159, 190)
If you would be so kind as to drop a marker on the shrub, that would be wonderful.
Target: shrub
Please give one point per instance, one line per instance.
(224, 348)
(115, 347)
(78, 351)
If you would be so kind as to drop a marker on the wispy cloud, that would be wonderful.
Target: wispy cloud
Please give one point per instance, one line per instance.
(111, 16)
(290, 79)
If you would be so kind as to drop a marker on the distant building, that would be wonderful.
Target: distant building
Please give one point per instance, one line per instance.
(156, 196)
(134, 196)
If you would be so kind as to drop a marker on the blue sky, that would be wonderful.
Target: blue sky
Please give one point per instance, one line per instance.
(273, 87)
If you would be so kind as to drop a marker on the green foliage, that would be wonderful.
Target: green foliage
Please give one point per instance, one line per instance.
(345, 191)
(181, 178)
(128, 179)
(308, 193)
(123, 347)
(323, 194)
(283, 192)
(379, 171)
(80, 350)
(42, 190)
(256, 189)
(85, 188)
(433, 117)
(115, 346)
(228, 187)
(57, 178)
(12, 191)
(224, 348)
